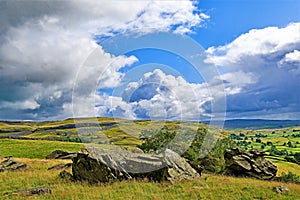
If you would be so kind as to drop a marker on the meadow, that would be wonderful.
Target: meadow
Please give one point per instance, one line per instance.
(38, 144)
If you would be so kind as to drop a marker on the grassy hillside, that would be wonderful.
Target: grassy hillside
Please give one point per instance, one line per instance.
(278, 143)
(61, 135)
(33, 148)
(209, 187)
(100, 130)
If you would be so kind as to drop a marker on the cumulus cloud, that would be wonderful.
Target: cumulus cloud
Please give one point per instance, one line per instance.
(267, 62)
(260, 46)
(44, 43)
(291, 62)
(22, 105)
(158, 95)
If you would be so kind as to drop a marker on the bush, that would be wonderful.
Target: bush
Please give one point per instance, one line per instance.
(289, 178)
(274, 151)
(212, 162)
(290, 159)
(297, 157)
(156, 139)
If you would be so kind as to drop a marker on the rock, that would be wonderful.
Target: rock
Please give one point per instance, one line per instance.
(65, 175)
(34, 191)
(197, 167)
(11, 165)
(240, 162)
(96, 164)
(60, 154)
(178, 168)
(280, 189)
(60, 166)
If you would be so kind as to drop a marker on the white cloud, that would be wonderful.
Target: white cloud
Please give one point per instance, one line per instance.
(43, 44)
(291, 62)
(171, 97)
(265, 62)
(162, 15)
(22, 105)
(235, 82)
(256, 47)
(292, 56)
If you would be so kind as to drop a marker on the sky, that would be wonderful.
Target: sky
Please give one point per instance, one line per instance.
(192, 60)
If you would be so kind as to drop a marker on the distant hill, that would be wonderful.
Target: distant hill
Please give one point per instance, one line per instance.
(259, 123)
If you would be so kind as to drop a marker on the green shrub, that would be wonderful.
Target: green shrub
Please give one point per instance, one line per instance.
(156, 139)
(289, 178)
(297, 157)
(213, 161)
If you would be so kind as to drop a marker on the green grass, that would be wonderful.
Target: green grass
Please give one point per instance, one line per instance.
(34, 152)
(129, 141)
(208, 187)
(33, 148)
(278, 137)
(285, 167)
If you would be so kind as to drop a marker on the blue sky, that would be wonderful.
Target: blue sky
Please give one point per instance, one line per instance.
(231, 18)
(209, 59)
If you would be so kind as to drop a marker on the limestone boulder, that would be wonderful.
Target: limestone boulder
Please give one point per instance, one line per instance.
(11, 165)
(96, 164)
(251, 163)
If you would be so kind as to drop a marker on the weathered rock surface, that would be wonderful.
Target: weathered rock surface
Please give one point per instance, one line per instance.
(251, 163)
(280, 189)
(96, 164)
(60, 166)
(11, 165)
(66, 175)
(60, 154)
(34, 191)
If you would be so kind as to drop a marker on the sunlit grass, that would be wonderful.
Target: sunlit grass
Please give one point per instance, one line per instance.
(33, 148)
(208, 187)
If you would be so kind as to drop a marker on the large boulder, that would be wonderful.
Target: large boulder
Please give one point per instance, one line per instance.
(96, 164)
(251, 163)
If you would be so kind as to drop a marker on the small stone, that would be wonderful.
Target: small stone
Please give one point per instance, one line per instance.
(34, 191)
(280, 189)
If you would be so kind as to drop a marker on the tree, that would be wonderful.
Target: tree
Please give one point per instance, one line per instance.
(269, 143)
(213, 161)
(258, 140)
(297, 157)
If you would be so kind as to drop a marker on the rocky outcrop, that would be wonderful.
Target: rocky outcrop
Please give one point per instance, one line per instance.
(251, 163)
(96, 164)
(11, 165)
(60, 154)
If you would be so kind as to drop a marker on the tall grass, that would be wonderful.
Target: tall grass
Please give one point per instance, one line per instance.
(209, 187)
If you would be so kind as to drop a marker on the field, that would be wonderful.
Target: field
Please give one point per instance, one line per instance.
(36, 141)
(278, 143)
(208, 187)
